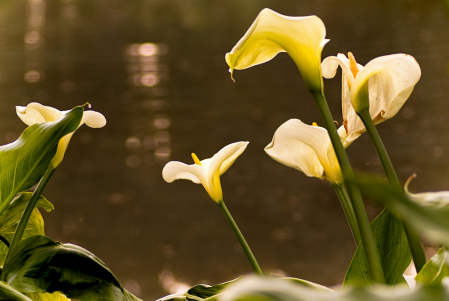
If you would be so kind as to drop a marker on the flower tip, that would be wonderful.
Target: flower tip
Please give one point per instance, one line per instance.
(21, 110)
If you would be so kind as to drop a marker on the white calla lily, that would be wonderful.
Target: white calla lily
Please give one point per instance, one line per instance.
(206, 172)
(383, 85)
(436, 199)
(303, 38)
(307, 149)
(36, 113)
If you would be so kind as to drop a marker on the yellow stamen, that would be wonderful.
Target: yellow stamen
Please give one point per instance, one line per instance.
(353, 64)
(314, 124)
(196, 160)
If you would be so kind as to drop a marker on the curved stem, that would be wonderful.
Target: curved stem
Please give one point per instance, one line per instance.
(29, 209)
(416, 248)
(240, 238)
(349, 212)
(372, 255)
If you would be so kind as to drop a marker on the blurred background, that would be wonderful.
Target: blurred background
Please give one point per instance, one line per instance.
(156, 70)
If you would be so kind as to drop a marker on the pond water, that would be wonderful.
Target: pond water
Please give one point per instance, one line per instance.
(156, 70)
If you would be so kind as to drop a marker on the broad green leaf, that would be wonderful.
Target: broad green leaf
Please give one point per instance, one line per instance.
(266, 289)
(24, 162)
(39, 264)
(199, 292)
(48, 297)
(9, 293)
(435, 269)
(393, 248)
(431, 221)
(10, 218)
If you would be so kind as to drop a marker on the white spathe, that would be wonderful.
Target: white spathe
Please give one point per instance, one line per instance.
(208, 173)
(303, 38)
(36, 113)
(389, 80)
(435, 199)
(307, 149)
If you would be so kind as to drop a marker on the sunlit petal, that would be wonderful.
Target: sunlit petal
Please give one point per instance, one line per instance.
(208, 173)
(306, 148)
(37, 113)
(303, 38)
(390, 80)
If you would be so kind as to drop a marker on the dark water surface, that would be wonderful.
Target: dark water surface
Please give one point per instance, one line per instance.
(156, 70)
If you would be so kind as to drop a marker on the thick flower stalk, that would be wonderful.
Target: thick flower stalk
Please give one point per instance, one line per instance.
(37, 113)
(207, 172)
(303, 38)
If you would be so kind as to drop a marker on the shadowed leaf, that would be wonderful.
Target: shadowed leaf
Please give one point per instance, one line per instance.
(39, 264)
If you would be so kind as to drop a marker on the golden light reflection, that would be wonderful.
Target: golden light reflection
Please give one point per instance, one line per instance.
(147, 73)
(170, 284)
(34, 41)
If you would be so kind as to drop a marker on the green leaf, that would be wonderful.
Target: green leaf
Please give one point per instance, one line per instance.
(39, 264)
(57, 296)
(268, 289)
(308, 284)
(199, 292)
(10, 218)
(435, 269)
(9, 293)
(24, 162)
(431, 221)
(393, 248)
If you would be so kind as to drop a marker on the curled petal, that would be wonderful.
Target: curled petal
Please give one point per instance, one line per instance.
(437, 199)
(219, 163)
(303, 38)
(175, 170)
(306, 148)
(390, 80)
(37, 113)
(93, 119)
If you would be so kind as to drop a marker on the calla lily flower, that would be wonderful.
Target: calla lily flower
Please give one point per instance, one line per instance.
(207, 171)
(37, 113)
(436, 199)
(303, 38)
(307, 149)
(383, 86)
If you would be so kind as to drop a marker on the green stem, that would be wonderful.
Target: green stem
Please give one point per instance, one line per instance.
(29, 209)
(372, 255)
(349, 211)
(240, 238)
(416, 248)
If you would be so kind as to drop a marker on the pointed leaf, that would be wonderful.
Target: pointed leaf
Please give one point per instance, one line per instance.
(431, 221)
(199, 292)
(38, 264)
(9, 293)
(393, 247)
(308, 284)
(25, 161)
(435, 269)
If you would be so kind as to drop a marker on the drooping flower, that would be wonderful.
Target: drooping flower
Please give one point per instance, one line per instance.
(307, 149)
(207, 171)
(37, 113)
(303, 38)
(383, 86)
